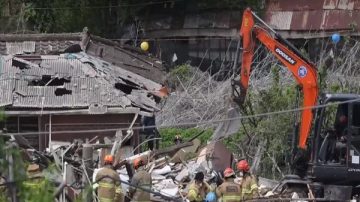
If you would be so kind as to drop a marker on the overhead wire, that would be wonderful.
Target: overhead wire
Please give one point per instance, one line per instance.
(189, 123)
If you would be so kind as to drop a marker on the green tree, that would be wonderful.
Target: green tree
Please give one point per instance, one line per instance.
(270, 132)
(102, 17)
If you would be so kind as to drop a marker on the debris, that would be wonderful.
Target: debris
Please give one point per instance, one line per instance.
(182, 175)
(167, 187)
(162, 171)
(215, 156)
(186, 152)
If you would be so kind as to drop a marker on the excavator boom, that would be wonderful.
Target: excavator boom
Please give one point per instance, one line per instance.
(303, 70)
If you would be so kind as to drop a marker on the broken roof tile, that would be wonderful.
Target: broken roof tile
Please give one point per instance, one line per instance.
(82, 81)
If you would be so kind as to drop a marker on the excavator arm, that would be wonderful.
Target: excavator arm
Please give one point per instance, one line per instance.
(303, 70)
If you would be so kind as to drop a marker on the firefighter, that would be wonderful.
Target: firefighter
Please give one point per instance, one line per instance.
(3, 192)
(229, 191)
(108, 181)
(178, 139)
(198, 188)
(36, 187)
(151, 131)
(142, 179)
(249, 187)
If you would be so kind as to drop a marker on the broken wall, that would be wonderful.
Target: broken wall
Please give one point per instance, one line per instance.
(90, 122)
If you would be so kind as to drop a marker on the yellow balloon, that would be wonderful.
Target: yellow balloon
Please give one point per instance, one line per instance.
(144, 46)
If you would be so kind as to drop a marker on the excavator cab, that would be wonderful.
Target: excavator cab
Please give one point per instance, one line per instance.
(333, 171)
(335, 141)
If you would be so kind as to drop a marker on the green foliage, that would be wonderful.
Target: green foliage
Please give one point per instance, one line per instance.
(42, 20)
(168, 135)
(322, 74)
(273, 130)
(180, 73)
(102, 17)
(41, 191)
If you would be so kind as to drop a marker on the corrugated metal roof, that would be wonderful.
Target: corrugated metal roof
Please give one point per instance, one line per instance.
(13, 48)
(313, 20)
(308, 15)
(6, 91)
(129, 58)
(38, 47)
(90, 82)
(281, 20)
(303, 5)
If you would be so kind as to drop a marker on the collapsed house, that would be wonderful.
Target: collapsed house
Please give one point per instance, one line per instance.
(59, 87)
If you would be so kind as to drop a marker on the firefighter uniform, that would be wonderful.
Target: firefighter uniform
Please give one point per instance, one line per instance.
(249, 187)
(140, 179)
(109, 189)
(198, 192)
(3, 194)
(36, 186)
(229, 191)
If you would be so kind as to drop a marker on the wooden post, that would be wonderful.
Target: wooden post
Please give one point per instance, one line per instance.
(10, 158)
(87, 158)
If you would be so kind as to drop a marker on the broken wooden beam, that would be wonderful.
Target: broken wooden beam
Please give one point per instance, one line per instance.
(172, 149)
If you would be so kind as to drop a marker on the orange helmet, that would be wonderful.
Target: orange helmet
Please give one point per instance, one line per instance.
(243, 165)
(228, 172)
(137, 163)
(109, 159)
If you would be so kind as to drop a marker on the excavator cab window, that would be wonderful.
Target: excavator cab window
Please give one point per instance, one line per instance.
(340, 135)
(328, 135)
(353, 136)
(356, 116)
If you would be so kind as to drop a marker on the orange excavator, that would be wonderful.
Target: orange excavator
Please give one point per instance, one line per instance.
(328, 171)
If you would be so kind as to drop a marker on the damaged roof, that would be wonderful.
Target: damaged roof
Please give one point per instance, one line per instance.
(123, 56)
(32, 75)
(310, 19)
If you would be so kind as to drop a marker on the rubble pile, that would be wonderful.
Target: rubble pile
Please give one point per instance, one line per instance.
(73, 168)
(200, 98)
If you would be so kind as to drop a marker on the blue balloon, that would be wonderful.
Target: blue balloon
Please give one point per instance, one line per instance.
(335, 37)
(210, 197)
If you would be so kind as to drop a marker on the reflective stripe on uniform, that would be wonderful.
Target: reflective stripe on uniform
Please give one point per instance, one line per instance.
(231, 198)
(118, 190)
(106, 185)
(246, 191)
(102, 199)
(31, 184)
(142, 201)
(253, 186)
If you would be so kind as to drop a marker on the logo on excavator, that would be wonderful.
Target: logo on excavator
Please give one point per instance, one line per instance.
(302, 71)
(284, 55)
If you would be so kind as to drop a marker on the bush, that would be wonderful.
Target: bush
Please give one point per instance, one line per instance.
(168, 134)
(179, 73)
